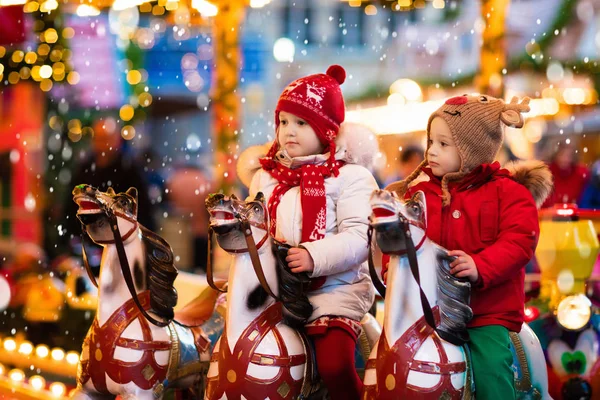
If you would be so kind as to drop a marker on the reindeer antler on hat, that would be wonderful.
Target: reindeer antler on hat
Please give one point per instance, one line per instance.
(511, 115)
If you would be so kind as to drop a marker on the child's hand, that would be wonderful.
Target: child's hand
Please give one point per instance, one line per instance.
(463, 266)
(299, 260)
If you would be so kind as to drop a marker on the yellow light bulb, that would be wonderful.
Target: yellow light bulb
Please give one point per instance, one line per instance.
(16, 375)
(10, 345)
(37, 382)
(134, 77)
(126, 112)
(17, 56)
(58, 389)
(42, 351)
(145, 99)
(72, 358)
(26, 348)
(50, 36)
(73, 78)
(128, 132)
(30, 57)
(45, 71)
(58, 354)
(46, 85)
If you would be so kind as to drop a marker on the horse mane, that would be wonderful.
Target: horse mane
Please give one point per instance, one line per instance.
(293, 289)
(454, 296)
(160, 274)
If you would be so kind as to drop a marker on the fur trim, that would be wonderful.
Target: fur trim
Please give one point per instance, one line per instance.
(248, 164)
(360, 143)
(535, 176)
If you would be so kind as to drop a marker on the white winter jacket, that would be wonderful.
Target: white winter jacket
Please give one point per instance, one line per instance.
(341, 255)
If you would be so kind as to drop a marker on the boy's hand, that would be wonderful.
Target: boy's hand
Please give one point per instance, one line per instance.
(463, 266)
(299, 260)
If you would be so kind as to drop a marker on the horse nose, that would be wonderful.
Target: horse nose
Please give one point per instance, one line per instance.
(577, 389)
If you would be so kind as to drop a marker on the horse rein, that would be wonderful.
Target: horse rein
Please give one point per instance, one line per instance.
(124, 263)
(106, 210)
(411, 253)
(377, 282)
(251, 249)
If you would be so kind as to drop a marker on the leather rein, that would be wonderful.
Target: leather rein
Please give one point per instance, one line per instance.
(251, 249)
(411, 253)
(123, 262)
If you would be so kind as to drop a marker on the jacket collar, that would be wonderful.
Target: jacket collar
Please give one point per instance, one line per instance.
(295, 162)
(477, 177)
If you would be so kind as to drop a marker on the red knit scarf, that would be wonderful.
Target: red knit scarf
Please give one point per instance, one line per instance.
(311, 179)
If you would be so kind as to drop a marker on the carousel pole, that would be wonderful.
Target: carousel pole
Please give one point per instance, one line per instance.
(493, 52)
(226, 102)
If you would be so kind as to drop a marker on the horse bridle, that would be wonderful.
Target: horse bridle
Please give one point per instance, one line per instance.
(411, 253)
(123, 262)
(251, 249)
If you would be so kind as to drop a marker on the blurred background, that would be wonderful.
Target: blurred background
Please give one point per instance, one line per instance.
(164, 95)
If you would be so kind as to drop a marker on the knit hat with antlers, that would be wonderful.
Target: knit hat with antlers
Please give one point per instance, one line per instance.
(477, 126)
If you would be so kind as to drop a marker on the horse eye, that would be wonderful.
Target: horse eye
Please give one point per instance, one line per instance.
(256, 209)
(416, 209)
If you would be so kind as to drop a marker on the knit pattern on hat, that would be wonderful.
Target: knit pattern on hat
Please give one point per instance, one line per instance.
(318, 100)
(477, 127)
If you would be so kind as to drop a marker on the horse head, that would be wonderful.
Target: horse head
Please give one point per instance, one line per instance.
(390, 216)
(227, 215)
(96, 209)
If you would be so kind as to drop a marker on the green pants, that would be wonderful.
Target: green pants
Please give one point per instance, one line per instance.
(492, 363)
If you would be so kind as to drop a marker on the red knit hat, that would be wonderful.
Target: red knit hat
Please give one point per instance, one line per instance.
(318, 100)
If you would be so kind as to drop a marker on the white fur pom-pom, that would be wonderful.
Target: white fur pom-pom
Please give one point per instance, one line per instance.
(248, 162)
(360, 143)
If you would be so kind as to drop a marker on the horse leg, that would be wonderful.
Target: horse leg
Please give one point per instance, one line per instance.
(535, 360)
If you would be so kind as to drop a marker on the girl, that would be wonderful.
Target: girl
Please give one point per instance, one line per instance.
(318, 201)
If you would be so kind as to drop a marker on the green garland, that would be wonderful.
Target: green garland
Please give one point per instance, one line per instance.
(563, 16)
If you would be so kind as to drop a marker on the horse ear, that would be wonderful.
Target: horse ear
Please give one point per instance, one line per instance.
(110, 191)
(133, 193)
(260, 197)
(233, 197)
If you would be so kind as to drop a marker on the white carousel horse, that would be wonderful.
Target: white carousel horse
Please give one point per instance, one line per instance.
(123, 354)
(412, 359)
(259, 355)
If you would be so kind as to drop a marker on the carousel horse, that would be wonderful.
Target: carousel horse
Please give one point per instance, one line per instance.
(422, 351)
(262, 354)
(137, 347)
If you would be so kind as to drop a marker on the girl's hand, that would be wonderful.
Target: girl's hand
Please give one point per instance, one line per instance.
(299, 260)
(463, 266)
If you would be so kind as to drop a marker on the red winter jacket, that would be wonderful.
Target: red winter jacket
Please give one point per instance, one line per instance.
(493, 219)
